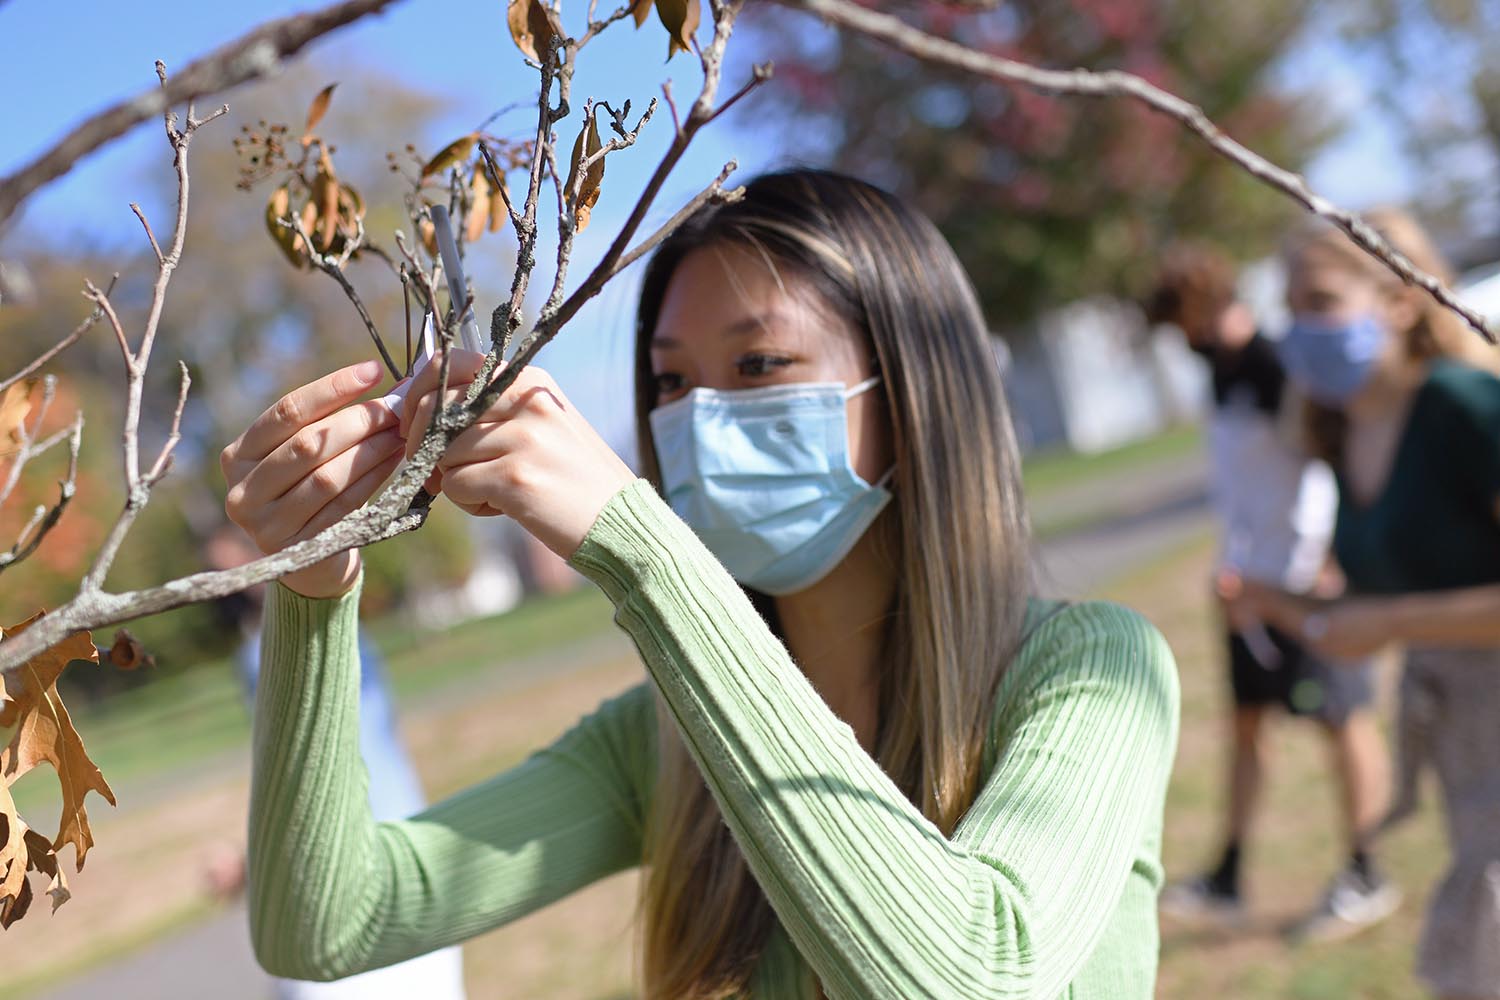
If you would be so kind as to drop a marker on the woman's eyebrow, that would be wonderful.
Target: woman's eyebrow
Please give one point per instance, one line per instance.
(739, 328)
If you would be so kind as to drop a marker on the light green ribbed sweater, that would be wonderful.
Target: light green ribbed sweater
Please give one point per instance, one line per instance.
(1048, 887)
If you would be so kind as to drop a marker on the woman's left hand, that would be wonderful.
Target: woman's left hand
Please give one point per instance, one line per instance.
(530, 455)
(1344, 629)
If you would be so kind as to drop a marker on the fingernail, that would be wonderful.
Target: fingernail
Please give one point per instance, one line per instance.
(367, 371)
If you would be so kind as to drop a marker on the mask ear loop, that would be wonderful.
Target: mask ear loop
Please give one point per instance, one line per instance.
(862, 387)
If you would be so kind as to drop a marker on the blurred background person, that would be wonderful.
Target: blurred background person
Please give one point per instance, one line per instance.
(1276, 506)
(395, 792)
(1405, 407)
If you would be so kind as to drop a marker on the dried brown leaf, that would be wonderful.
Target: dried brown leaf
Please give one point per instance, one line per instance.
(316, 111)
(479, 206)
(533, 27)
(585, 146)
(427, 232)
(455, 152)
(127, 653)
(326, 194)
(44, 734)
(15, 406)
(681, 18)
(278, 207)
(640, 10)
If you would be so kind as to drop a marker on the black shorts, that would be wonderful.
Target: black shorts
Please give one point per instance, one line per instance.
(1303, 682)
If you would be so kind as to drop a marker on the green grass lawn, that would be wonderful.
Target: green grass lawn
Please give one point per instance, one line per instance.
(1050, 471)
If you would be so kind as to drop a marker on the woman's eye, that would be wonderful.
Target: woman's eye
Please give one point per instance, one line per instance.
(757, 365)
(667, 383)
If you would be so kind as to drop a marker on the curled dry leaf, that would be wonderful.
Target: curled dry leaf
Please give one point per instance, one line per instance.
(278, 207)
(479, 206)
(450, 155)
(43, 734)
(586, 145)
(640, 10)
(534, 27)
(127, 653)
(316, 111)
(326, 194)
(15, 406)
(427, 233)
(681, 18)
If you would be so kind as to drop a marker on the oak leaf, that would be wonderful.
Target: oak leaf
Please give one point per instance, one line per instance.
(44, 734)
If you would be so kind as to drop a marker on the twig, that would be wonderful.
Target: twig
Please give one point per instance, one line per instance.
(137, 489)
(713, 194)
(403, 506)
(62, 345)
(252, 55)
(1114, 83)
(25, 448)
(147, 226)
(334, 269)
(44, 519)
(164, 457)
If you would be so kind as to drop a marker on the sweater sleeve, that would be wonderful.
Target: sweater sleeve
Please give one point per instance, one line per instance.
(879, 902)
(333, 892)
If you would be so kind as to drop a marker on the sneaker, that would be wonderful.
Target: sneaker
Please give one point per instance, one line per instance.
(1198, 900)
(1351, 904)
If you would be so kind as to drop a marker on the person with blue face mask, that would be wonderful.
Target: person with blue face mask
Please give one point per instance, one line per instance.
(869, 760)
(1406, 409)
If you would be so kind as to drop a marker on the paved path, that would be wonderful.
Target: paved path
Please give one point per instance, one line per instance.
(1150, 516)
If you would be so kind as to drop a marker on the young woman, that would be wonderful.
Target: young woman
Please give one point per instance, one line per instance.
(1408, 414)
(867, 762)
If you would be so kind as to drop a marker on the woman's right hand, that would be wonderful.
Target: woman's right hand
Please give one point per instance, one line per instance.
(305, 463)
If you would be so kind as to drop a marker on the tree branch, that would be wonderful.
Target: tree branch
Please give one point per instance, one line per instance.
(46, 518)
(899, 35)
(61, 345)
(252, 55)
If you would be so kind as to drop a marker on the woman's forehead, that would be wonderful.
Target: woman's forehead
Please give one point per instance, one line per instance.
(724, 292)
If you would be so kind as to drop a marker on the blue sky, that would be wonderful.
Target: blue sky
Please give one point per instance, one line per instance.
(61, 61)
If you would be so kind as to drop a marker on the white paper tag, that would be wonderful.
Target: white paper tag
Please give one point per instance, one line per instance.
(396, 398)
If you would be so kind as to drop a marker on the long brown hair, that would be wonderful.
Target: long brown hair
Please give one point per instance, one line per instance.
(1436, 331)
(956, 533)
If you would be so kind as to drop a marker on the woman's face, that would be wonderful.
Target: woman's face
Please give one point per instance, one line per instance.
(1327, 289)
(728, 321)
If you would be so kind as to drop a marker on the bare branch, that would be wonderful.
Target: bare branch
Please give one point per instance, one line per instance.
(334, 268)
(155, 248)
(403, 506)
(44, 519)
(252, 55)
(62, 345)
(25, 449)
(711, 195)
(103, 306)
(164, 457)
(137, 489)
(1113, 83)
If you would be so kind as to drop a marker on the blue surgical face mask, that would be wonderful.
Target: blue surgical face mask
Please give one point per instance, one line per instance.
(1331, 361)
(763, 477)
